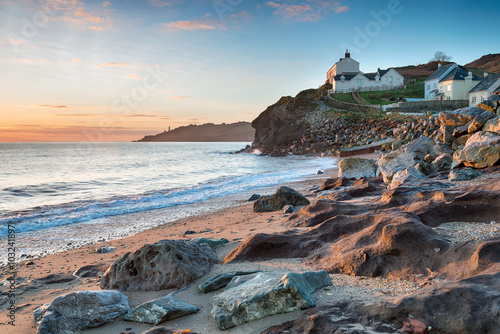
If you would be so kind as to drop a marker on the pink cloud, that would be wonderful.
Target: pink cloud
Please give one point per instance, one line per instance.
(106, 4)
(76, 60)
(51, 106)
(114, 64)
(342, 9)
(308, 10)
(161, 3)
(134, 77)
(178, 97)
(191, 25)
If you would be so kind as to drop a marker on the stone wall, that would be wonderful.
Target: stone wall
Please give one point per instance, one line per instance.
(351, 106)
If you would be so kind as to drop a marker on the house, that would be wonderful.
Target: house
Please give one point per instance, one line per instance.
(450, 82)
(345, 76)
(483, 90)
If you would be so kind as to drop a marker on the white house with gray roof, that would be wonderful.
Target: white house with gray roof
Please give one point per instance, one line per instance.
(483, 90)
(345, 77)
(432, 82)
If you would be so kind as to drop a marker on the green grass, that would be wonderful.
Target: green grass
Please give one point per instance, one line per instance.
(343, 97)
(416, 90)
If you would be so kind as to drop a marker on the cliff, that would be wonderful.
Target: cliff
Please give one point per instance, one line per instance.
(235, 132)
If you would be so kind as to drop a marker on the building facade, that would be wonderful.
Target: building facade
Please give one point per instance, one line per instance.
(483, 90)
(345, 77)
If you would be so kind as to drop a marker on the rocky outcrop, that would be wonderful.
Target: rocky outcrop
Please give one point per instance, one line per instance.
(357, 168)
(162, 265)
(160, 310)
(283, 196)
(267, 294)
(76, 311)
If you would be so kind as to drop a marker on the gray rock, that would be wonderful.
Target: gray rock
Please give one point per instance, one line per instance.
(92, 270)
(493, 125)
(221, 280)
(420, 146)
(481, 150)
(441, 148)
(104, 250)
(465, 174)
(390, 167)
(396, 145)
(443, 162)
(267, 294)
(357, 168)
(446, 134)
(288, 209)
(459, 117)
(212, 242)
(160, 310)
(254, 197)
(408, 174)
(284, 196)
(162, 265)
(76, 311)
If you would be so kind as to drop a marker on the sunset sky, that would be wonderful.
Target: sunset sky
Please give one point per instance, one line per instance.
(78, 70)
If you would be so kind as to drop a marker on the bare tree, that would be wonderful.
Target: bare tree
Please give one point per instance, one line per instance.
(441, 56)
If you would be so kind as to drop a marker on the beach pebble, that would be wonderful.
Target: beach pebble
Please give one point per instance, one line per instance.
(289, 209)
(254, 197)
(104, 250)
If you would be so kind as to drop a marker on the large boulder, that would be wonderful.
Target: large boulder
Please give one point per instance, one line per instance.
(357, 168)
(459, 117)
(390, 167)
(481, 150)
(284, 196)
(160, 310)
(218, 282)
(76, 311)
(442, 163)
(465, 174)
(408, 174)
(479, 121)
(493, 125)
(162, 265)
(441, 148)
(420, 146)
(267, 294)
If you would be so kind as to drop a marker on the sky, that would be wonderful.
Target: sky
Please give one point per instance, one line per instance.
(93, 71)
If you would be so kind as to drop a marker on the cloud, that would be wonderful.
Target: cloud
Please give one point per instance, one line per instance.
(142, 115)
(75, 13)
(308, 10)
(178, 97)
(76, 60)
(106, 4)
(52, 106)
(134, 77)
(189, 26)
(114, 64)
(76, 115)
(342, 9)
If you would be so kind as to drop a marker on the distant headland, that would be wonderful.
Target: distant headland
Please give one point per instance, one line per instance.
(234, 132)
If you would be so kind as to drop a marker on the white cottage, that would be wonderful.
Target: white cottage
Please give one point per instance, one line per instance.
(345, 76)
(432, 82)
(484, 89)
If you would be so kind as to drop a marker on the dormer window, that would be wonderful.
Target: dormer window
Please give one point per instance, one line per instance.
(377, 77)
(342, 78)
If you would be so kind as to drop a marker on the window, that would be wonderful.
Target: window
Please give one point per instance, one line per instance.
(482, 98)
(473, 99)
(390, 80)
(359, 82)
(435, 85)
(448, 88)
(428, 87)
(448, 98)
(441, 88)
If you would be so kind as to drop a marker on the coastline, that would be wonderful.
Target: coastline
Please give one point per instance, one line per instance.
(49, 275)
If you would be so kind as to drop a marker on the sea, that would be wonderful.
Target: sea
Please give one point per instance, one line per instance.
(57, 196)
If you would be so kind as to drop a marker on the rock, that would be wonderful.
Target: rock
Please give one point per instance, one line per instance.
(104, 250)
(461, 130)
(408, 174)
(357, 168)
(80, 310)
(396, 145)
(167, 330)
(221, 280)
(443, 162)
(446, 134)
(459, 117)
(460, 142)
(420, 146)
(493, 125)
(335, 183)
(160, 310)
(212, 242)
(284, 196)
(463, 174)
(288, 209)
(399, 163)
(481, 150)
(92, 270)
(254, 197)
(188, 232)
(479, 121)
(320, 172)
(267, 294)
(440, 149)
(163, 265)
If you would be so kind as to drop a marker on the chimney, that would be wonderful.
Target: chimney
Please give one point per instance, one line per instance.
(439, 65)
(347, 54)
(485, 74)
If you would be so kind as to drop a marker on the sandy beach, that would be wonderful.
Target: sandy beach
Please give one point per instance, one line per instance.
(41, 279)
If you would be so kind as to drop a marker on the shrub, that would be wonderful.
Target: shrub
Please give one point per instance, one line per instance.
(373, 96)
